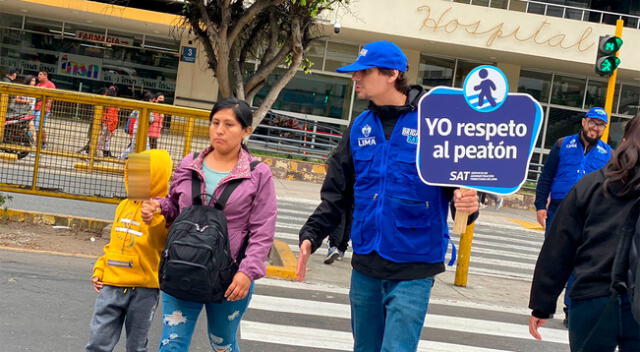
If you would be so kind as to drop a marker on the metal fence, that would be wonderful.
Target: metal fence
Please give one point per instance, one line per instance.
(79, 148)
(558, 10)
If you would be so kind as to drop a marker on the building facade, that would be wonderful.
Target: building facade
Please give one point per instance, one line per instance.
(546, 49)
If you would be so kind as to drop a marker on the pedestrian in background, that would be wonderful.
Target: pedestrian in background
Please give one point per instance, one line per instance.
(251, 219)
(126, 276)
(131, 126)
(25, 105)
(594, 216)
(399, 231)
(11, 75)
(109, 124)
(571, 158)
(155, 123)
(43, 81)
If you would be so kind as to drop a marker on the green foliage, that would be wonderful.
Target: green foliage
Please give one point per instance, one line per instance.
(4, 199)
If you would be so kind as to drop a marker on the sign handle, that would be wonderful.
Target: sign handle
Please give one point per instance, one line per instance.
(460, 221)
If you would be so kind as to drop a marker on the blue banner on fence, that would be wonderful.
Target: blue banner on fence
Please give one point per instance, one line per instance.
(480, 137)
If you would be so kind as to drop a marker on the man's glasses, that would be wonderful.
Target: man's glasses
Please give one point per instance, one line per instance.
(599, 126)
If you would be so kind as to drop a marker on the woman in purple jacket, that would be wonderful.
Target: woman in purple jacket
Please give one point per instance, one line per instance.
(250, 212)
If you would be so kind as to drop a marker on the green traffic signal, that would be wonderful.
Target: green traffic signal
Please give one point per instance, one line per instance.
(607, 60)
(609, 44)
(608, 64)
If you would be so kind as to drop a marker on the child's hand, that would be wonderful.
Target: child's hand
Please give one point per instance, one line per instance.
(149, 207)
(97, 284)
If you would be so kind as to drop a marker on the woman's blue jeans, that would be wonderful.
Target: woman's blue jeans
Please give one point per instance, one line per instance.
(179, 321)
(388, 315)
(617, 328)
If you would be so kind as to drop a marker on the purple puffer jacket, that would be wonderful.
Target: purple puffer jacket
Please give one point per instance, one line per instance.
(250, 209)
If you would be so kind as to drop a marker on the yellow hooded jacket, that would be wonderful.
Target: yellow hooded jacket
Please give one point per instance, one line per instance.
(132, 256)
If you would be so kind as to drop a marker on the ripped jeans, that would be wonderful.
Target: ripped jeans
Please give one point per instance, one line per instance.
(179, 321)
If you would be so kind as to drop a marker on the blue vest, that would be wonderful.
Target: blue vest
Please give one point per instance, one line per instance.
(395, 214)
(574, 164)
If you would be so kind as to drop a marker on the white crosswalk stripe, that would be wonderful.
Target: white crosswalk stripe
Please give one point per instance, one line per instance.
(316, 316)
(498, 250)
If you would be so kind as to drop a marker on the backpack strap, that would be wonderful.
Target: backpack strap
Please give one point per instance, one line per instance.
(196, 187)
(231, 186)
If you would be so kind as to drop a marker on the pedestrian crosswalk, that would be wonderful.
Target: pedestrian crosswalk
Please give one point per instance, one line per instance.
(315, 317)
(498, 250)
(310, 317)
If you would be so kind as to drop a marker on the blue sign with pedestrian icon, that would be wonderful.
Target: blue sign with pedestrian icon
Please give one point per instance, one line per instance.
(479, 137)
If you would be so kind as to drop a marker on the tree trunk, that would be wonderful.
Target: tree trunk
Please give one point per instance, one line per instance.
(298, 54)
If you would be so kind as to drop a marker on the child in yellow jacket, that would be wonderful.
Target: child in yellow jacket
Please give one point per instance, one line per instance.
(126, 276)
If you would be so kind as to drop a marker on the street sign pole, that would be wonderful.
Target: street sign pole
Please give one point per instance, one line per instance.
(611, 87)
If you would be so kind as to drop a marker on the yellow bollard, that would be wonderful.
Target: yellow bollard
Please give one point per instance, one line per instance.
(464, 256)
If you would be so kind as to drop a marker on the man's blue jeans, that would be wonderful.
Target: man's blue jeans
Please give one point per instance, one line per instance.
(617, 328)
(388, 315)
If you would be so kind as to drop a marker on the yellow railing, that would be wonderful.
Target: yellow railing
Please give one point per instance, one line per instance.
(74, 121)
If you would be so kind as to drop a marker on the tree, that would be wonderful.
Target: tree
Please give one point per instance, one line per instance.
(274, 33)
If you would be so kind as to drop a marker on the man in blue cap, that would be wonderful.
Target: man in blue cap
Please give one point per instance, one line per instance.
(570, 159)
(399, 230)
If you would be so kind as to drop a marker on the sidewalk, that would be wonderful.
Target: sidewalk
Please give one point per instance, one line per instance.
(485, 290)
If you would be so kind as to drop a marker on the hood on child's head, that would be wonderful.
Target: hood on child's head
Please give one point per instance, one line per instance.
(160, 168)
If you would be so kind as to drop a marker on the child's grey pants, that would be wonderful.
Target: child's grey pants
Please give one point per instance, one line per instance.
(115, 306)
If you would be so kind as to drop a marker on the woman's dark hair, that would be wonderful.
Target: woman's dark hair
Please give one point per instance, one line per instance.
(158, 95)
(240, 109)
(148, 96)
(401, 84)
(622, 175)
(27, 80)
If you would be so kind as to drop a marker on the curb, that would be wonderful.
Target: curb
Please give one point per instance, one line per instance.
(283, 254)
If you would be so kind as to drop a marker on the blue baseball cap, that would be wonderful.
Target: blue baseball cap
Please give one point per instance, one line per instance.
(382, 54)
(597, 113)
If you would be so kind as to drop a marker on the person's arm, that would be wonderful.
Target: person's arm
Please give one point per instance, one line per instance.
(262, 226)
(170, 204)
(546, 178)
(336, 196)
(556, 258)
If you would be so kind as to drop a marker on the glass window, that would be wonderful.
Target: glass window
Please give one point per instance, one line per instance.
(435, 71)
(616, 130)
(562, 122)
(44, 26)
(629, 100)
(535, 83)
(315, 54)
(463, 69)
(313, 94)
(163, 44)
(11, 21)
(596, 94)
(499, 4)
(339, 54)
(568, 91)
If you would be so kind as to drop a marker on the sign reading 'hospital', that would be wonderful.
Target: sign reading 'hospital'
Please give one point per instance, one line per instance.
(480, 137)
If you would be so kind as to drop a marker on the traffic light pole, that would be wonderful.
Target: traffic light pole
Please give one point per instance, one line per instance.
(611, 87)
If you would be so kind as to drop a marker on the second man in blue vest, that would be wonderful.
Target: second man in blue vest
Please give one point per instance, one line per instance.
(571, 158)
(399, 229)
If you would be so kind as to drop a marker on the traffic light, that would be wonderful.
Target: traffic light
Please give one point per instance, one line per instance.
(607, 61)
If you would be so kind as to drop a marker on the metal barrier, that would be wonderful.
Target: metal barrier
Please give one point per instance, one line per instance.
(75, 121)
(558, 10)
(83, 158)
(292, 136)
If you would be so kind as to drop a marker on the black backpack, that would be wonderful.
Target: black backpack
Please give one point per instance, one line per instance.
(196, 263)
